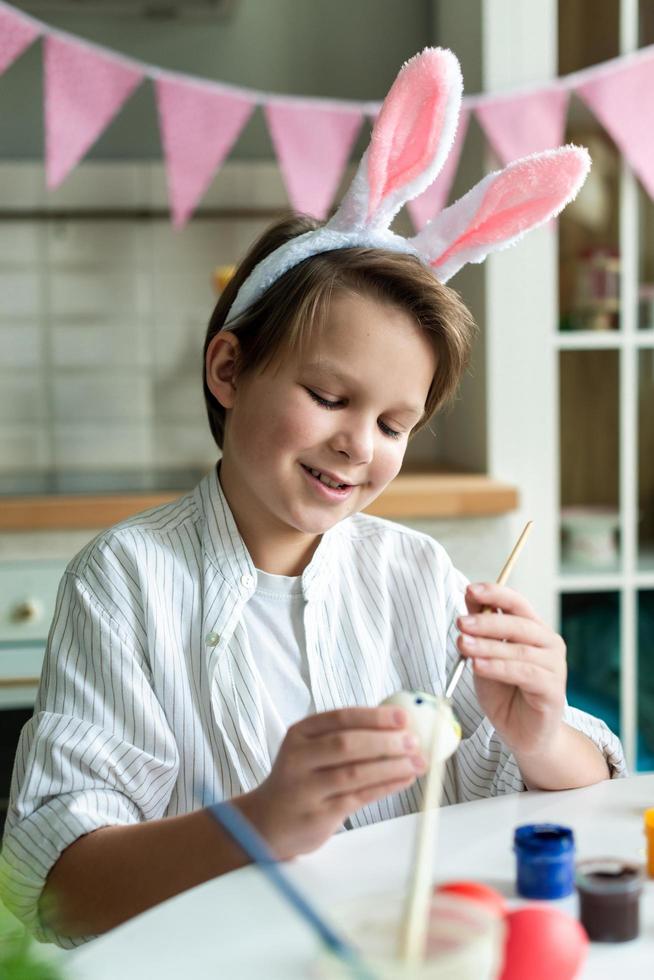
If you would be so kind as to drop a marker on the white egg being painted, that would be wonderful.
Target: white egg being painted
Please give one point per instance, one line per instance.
(421, 711)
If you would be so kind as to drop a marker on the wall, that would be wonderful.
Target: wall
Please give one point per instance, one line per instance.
(336, 48)
(102, 323)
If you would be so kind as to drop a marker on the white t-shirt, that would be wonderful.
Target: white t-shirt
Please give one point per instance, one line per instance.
(274, 620)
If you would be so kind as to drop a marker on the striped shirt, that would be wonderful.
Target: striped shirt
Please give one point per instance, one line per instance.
(150, 705)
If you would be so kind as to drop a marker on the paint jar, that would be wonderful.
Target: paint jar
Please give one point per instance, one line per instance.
(649, 835)
(545, 854)
(609, 898)
(465, 940)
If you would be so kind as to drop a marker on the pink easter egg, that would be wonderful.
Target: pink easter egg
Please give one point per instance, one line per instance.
(543, 943)
(476, 891)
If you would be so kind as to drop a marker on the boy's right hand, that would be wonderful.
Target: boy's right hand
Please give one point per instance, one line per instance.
(328, 766)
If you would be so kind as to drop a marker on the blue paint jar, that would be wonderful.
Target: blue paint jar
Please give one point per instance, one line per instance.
(545, 854)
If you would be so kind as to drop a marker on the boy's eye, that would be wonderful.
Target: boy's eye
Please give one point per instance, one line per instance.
(325, 402)
(338, 402)
(386, 429)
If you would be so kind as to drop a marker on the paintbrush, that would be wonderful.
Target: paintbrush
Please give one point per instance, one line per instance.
(415, 922)
(253, 845)
(501, 580)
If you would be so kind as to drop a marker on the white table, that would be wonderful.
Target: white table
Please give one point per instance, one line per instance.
(238, 928)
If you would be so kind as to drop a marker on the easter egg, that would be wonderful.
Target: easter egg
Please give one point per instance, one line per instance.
(421, 711)
(543, 943)
(476, 891)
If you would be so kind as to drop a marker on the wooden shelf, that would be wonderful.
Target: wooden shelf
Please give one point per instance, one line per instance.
(425, 495)
(410, 495)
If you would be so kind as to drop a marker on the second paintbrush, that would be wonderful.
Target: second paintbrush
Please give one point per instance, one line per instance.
(501, 580)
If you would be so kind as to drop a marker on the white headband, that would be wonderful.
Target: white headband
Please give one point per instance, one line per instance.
(410, 141)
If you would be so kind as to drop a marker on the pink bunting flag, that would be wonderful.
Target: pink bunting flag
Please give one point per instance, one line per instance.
(312, 144)
(83, 92)
(622, 102)
(16, 34)
(432, 200)
(519, 126)
(199, 125)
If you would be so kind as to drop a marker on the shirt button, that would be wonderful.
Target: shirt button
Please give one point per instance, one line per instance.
(211, 639)
(247, 581)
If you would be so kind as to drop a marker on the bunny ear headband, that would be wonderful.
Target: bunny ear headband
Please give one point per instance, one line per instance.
(412, 136)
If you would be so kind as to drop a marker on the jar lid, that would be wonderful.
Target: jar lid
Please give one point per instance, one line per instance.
(609, 876)
(544, 838)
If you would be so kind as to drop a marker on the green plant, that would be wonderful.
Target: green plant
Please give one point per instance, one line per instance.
(19, 956)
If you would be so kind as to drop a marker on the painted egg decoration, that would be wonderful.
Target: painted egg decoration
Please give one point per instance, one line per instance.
(477, 891)
(543, 943)
(421, 711)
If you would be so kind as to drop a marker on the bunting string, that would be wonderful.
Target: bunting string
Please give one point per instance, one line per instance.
(86, 85)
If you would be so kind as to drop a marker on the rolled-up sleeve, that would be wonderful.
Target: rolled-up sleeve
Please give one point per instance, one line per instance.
(97, 752)
(599, 733)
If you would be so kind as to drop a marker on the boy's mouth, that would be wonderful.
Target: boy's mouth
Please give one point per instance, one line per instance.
(327, 480)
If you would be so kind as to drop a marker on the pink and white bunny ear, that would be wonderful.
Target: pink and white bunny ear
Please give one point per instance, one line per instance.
(501, 208)
(412, 136)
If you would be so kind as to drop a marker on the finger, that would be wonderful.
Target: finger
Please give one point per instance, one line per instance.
(348, 804)
(515, 629)
(357, 777)
(530, 677)
(489, 595)
(360, 745)
(474, 647)
(384, 716)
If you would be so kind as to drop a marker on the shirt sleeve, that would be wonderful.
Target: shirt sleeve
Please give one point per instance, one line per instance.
(97, 752)
(482, 765)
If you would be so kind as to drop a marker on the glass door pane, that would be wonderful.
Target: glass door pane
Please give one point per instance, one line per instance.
(589, 268)
(590, 626)
(589, 439)
(646, 460)
(589, 253)
(646, 680)
(645, 261)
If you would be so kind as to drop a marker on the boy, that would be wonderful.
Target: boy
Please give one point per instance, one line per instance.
(236, 643)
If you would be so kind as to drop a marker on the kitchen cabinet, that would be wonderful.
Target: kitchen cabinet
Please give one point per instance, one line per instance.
(27, 597)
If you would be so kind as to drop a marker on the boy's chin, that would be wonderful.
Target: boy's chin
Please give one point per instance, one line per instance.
(313, 524)
(314, 528)
(317, 522)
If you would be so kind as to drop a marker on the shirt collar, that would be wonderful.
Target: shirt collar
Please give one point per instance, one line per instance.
(225, 548)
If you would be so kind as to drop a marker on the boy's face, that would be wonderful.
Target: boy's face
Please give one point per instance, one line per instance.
(341, 412)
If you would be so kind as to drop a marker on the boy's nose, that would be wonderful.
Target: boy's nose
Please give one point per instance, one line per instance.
(355, 442)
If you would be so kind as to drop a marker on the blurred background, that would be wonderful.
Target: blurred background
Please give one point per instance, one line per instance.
(104, 303)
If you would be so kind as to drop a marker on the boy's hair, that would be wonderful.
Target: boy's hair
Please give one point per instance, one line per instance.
(295, 305)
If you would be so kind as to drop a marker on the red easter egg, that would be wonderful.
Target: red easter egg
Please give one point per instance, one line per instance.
(543, 943)
(475, 891)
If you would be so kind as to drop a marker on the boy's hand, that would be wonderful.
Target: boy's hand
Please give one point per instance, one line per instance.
(519, 665)
(328, 766)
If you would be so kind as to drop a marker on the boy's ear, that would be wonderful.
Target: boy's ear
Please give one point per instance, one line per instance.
(221, 367)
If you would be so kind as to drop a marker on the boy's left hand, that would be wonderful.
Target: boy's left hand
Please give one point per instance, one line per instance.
(519, 665)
